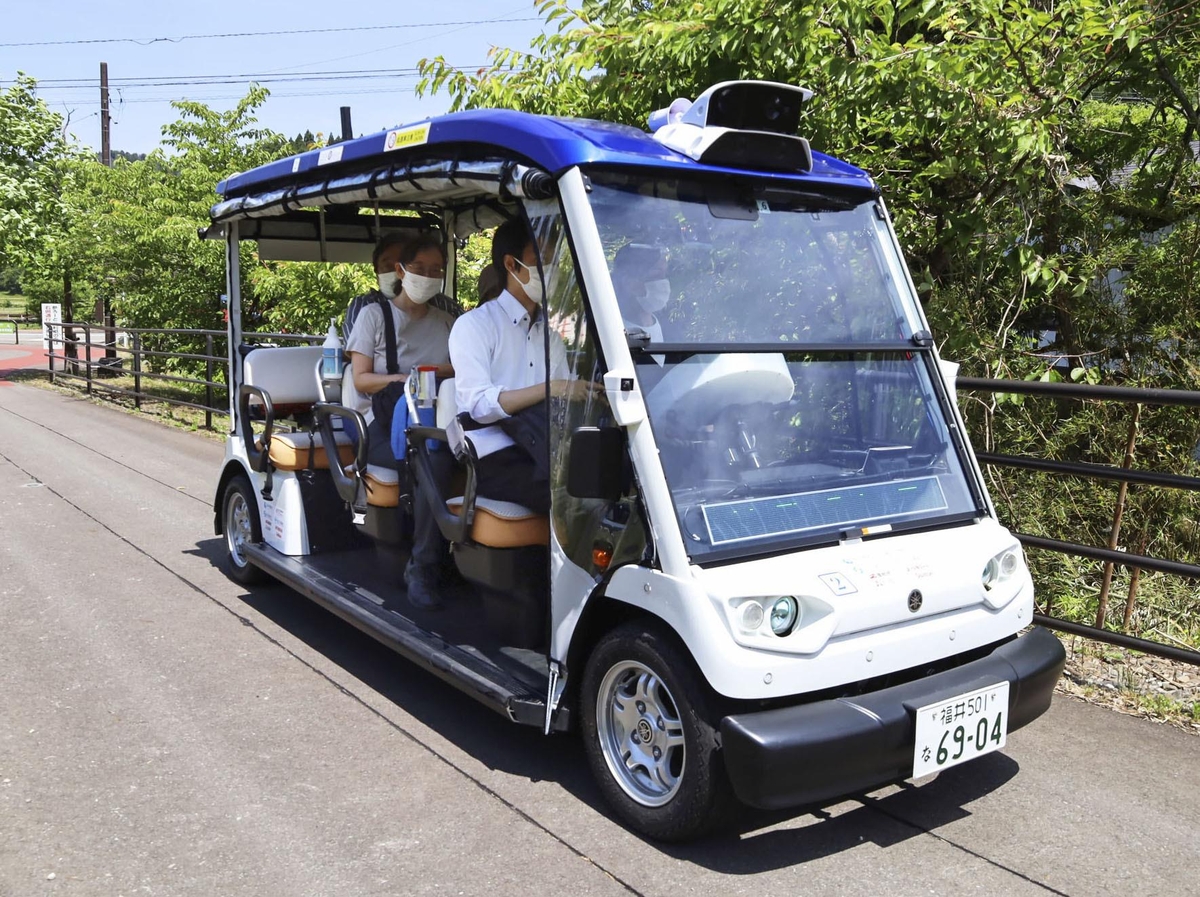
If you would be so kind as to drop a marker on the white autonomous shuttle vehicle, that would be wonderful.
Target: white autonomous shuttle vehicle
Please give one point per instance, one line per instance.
(771, 571)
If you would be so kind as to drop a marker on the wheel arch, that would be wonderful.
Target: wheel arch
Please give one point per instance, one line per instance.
(601, 615)
(232, 468)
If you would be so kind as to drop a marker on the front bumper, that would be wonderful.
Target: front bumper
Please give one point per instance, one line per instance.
(814, 752)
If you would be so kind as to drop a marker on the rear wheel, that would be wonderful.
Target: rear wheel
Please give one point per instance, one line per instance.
(240, 517)
(650, 734)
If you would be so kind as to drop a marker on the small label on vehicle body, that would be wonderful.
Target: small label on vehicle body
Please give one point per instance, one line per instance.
(406, 137)
(838, 583)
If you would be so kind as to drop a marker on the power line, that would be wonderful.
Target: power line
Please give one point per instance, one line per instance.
(68, 84)
(54, 82)
(145, 42)
(280, 96)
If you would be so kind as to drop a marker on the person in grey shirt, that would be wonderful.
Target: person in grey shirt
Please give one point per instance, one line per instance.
(385, 261)
(422, 338)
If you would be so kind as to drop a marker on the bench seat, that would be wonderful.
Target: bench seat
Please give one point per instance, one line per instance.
(504, 524)
(302, 451)
(383, 486)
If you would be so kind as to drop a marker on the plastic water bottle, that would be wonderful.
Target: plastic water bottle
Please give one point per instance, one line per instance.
(331, 354)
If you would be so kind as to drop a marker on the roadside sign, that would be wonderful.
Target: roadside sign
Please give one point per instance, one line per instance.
(51, 318)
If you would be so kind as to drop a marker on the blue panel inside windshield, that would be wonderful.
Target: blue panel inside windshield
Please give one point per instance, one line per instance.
(754, 518)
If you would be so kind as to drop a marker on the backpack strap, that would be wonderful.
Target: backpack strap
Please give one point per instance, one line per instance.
(389, 334)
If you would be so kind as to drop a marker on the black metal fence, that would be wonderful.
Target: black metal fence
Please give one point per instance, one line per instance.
(95, 356)
(1110, 555)
(101, 354)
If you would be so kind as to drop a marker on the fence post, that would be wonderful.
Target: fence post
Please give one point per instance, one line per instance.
(137, 370)
(87, 355)
(1115, 533)
(208, 375)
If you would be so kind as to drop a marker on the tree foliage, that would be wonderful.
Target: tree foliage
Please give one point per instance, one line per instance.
(1039, 159)
(34, 156)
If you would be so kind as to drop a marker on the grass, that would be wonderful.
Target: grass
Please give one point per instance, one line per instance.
(179, 416)
(12, 305)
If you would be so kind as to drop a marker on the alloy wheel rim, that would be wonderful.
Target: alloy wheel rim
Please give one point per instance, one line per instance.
(641, 734)
(237, 528)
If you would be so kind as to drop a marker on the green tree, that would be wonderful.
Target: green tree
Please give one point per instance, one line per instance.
(1039, 159)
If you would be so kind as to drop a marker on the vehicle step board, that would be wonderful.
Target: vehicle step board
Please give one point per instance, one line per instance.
(469, 672)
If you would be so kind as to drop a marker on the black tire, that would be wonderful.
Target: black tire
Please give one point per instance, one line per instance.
(239, 519)
(685, 792)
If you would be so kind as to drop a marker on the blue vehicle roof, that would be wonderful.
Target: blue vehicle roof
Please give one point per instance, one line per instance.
(553, 144)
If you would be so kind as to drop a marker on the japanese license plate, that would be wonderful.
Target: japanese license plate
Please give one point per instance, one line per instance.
(959, 729)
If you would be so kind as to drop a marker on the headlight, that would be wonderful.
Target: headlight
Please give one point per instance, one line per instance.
(785, 615)
(752, 616)
(1001, 568)
(796, 624)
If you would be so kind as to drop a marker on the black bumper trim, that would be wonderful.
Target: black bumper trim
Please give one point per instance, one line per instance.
(813, 752)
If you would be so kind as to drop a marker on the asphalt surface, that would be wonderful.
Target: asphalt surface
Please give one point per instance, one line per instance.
(164, 731)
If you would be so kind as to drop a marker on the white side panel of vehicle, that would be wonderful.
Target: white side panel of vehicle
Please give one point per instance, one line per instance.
(282, 519)
(569, 587)
(865, 628)
(283, 524)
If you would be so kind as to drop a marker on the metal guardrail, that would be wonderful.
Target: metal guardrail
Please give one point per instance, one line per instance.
(1110, 554)
(16, 323)
(93, 371)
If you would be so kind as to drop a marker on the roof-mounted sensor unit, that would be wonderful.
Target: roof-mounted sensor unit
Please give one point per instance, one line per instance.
(740, 124)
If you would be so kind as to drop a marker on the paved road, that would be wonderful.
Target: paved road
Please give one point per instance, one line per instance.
(164, 732)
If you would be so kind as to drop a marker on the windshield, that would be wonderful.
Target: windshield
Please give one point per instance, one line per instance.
(696, 262)
(838, 431)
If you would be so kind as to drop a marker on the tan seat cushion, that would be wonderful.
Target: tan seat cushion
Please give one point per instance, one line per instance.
(383, 486)
(504, 524)
(299, 451)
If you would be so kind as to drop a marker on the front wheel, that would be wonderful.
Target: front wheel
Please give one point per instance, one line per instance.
(650, 734)
(240, 517)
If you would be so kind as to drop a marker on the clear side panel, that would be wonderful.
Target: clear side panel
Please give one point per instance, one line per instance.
(587, 535)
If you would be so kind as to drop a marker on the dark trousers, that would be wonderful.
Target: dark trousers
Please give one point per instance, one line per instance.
(429, 548)
(511, 475)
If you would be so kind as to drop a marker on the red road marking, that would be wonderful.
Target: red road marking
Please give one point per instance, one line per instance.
(20, 358)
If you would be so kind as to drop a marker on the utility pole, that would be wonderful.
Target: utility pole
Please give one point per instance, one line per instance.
(105, 118)
(110, 332)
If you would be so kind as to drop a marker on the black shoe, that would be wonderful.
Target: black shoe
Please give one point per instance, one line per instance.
(422, 587)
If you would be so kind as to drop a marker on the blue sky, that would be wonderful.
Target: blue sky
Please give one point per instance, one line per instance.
(324, 71)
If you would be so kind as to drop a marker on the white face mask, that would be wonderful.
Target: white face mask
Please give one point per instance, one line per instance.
(387, 284)
(420, 289)
(658, 294)
(533, 289)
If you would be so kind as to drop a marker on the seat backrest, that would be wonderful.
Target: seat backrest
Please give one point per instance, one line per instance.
(447, 404)
(285, 374)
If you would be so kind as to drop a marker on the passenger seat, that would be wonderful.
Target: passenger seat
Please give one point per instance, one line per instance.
(497, 524)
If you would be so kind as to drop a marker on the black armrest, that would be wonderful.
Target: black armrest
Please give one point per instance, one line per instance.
(455, 527)
(255, 455)
(346, 482)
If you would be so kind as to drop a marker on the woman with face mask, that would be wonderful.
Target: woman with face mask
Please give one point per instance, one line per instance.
(422, 331)
(422, 334)
(643, 290)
